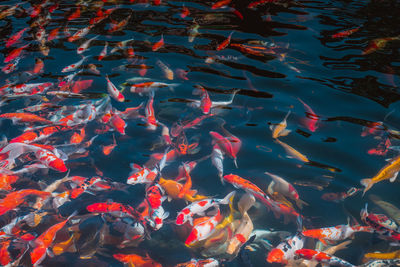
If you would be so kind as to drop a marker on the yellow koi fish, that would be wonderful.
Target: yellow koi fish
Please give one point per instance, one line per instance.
(390, 172)
(293, 152)
(280, 129)
(383, 256)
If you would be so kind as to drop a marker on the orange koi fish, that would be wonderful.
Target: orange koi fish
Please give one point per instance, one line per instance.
(43, 242)
(118, 123)
(185, 12)
(39, 65)
(108, 149)
(33, 136)
(158, 44)
(225, 43)
(345, 33)
(230, 145)
(120, 25)
(76, 14)
(6, 180)
(53, 34)
(137, 260)
(25, 117)
(77, 138)
(16, 198)
(80, 33)
(15, 38)
(173, 189)
(220, 4)
(280, 129)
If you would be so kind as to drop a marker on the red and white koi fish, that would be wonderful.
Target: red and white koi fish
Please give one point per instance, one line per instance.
(121, 45)
(101, 15)
(103, 52)
(114, 92)
(205, 102)
(158, 216)
(199, 207)
(10, 67)
(335, 233)
(158, 44)
(80, 33)
(141, 175)
(225, 43)
(15, 38)
(74, 66)
(82, 48)
(31, 88)
(151, 120)
(147, 87)
(230, 145)
(50, 160)
(15, 53)
(280, 185)
(286, 250)
(322, 257)
(312, 119)
(76, 14)
(203, 229)
(379, 222)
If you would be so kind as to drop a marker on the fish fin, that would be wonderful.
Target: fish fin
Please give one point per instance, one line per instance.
(300, 203)
(284, 132)
(226, 199)
(169, 199)
(323, 242)
(270, 189)
(192, 192)
(368, 183)
(393, 178)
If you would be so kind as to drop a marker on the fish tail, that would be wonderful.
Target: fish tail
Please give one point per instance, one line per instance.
(368, 183)
(228, 197)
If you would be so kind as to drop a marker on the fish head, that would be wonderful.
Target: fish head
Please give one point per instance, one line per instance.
(276, 255)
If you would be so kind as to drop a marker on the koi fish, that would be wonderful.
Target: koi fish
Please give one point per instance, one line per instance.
(50, 160)
(225, 43)
(173, 188)
(137, 260)
(286, 250)
(74, 66)
(114, 92)
(39, 65)
(312, 118)
(77, 138)
(389, 171)
(203, 229)
(379, 222)
(168, 73)
(25, 117)
(199, 207)
(281, 186)
(322, 257)
(15, 53)
(383, 256)
(66, 245)
(103, 52)
(76, 14)
(10, 67)
(53, 34)
(292, 152)
(44, 241)
(147, 87)
(239, 182)
(193, 32)
(221, 3)
(16, 198)
(345, 33)
(210, 262)
(217, 159)
(108, 149)
(15, 38)
(280, 129)
(82, 48)
(158, 44)
(336, 233)
(337, 197)
(118, 123)
(185, 12)
(151, 120)
(120, 25)
(377, 44)
(80, 33)
(230, 145)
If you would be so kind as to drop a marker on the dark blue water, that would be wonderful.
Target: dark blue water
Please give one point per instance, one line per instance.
(291, 58)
